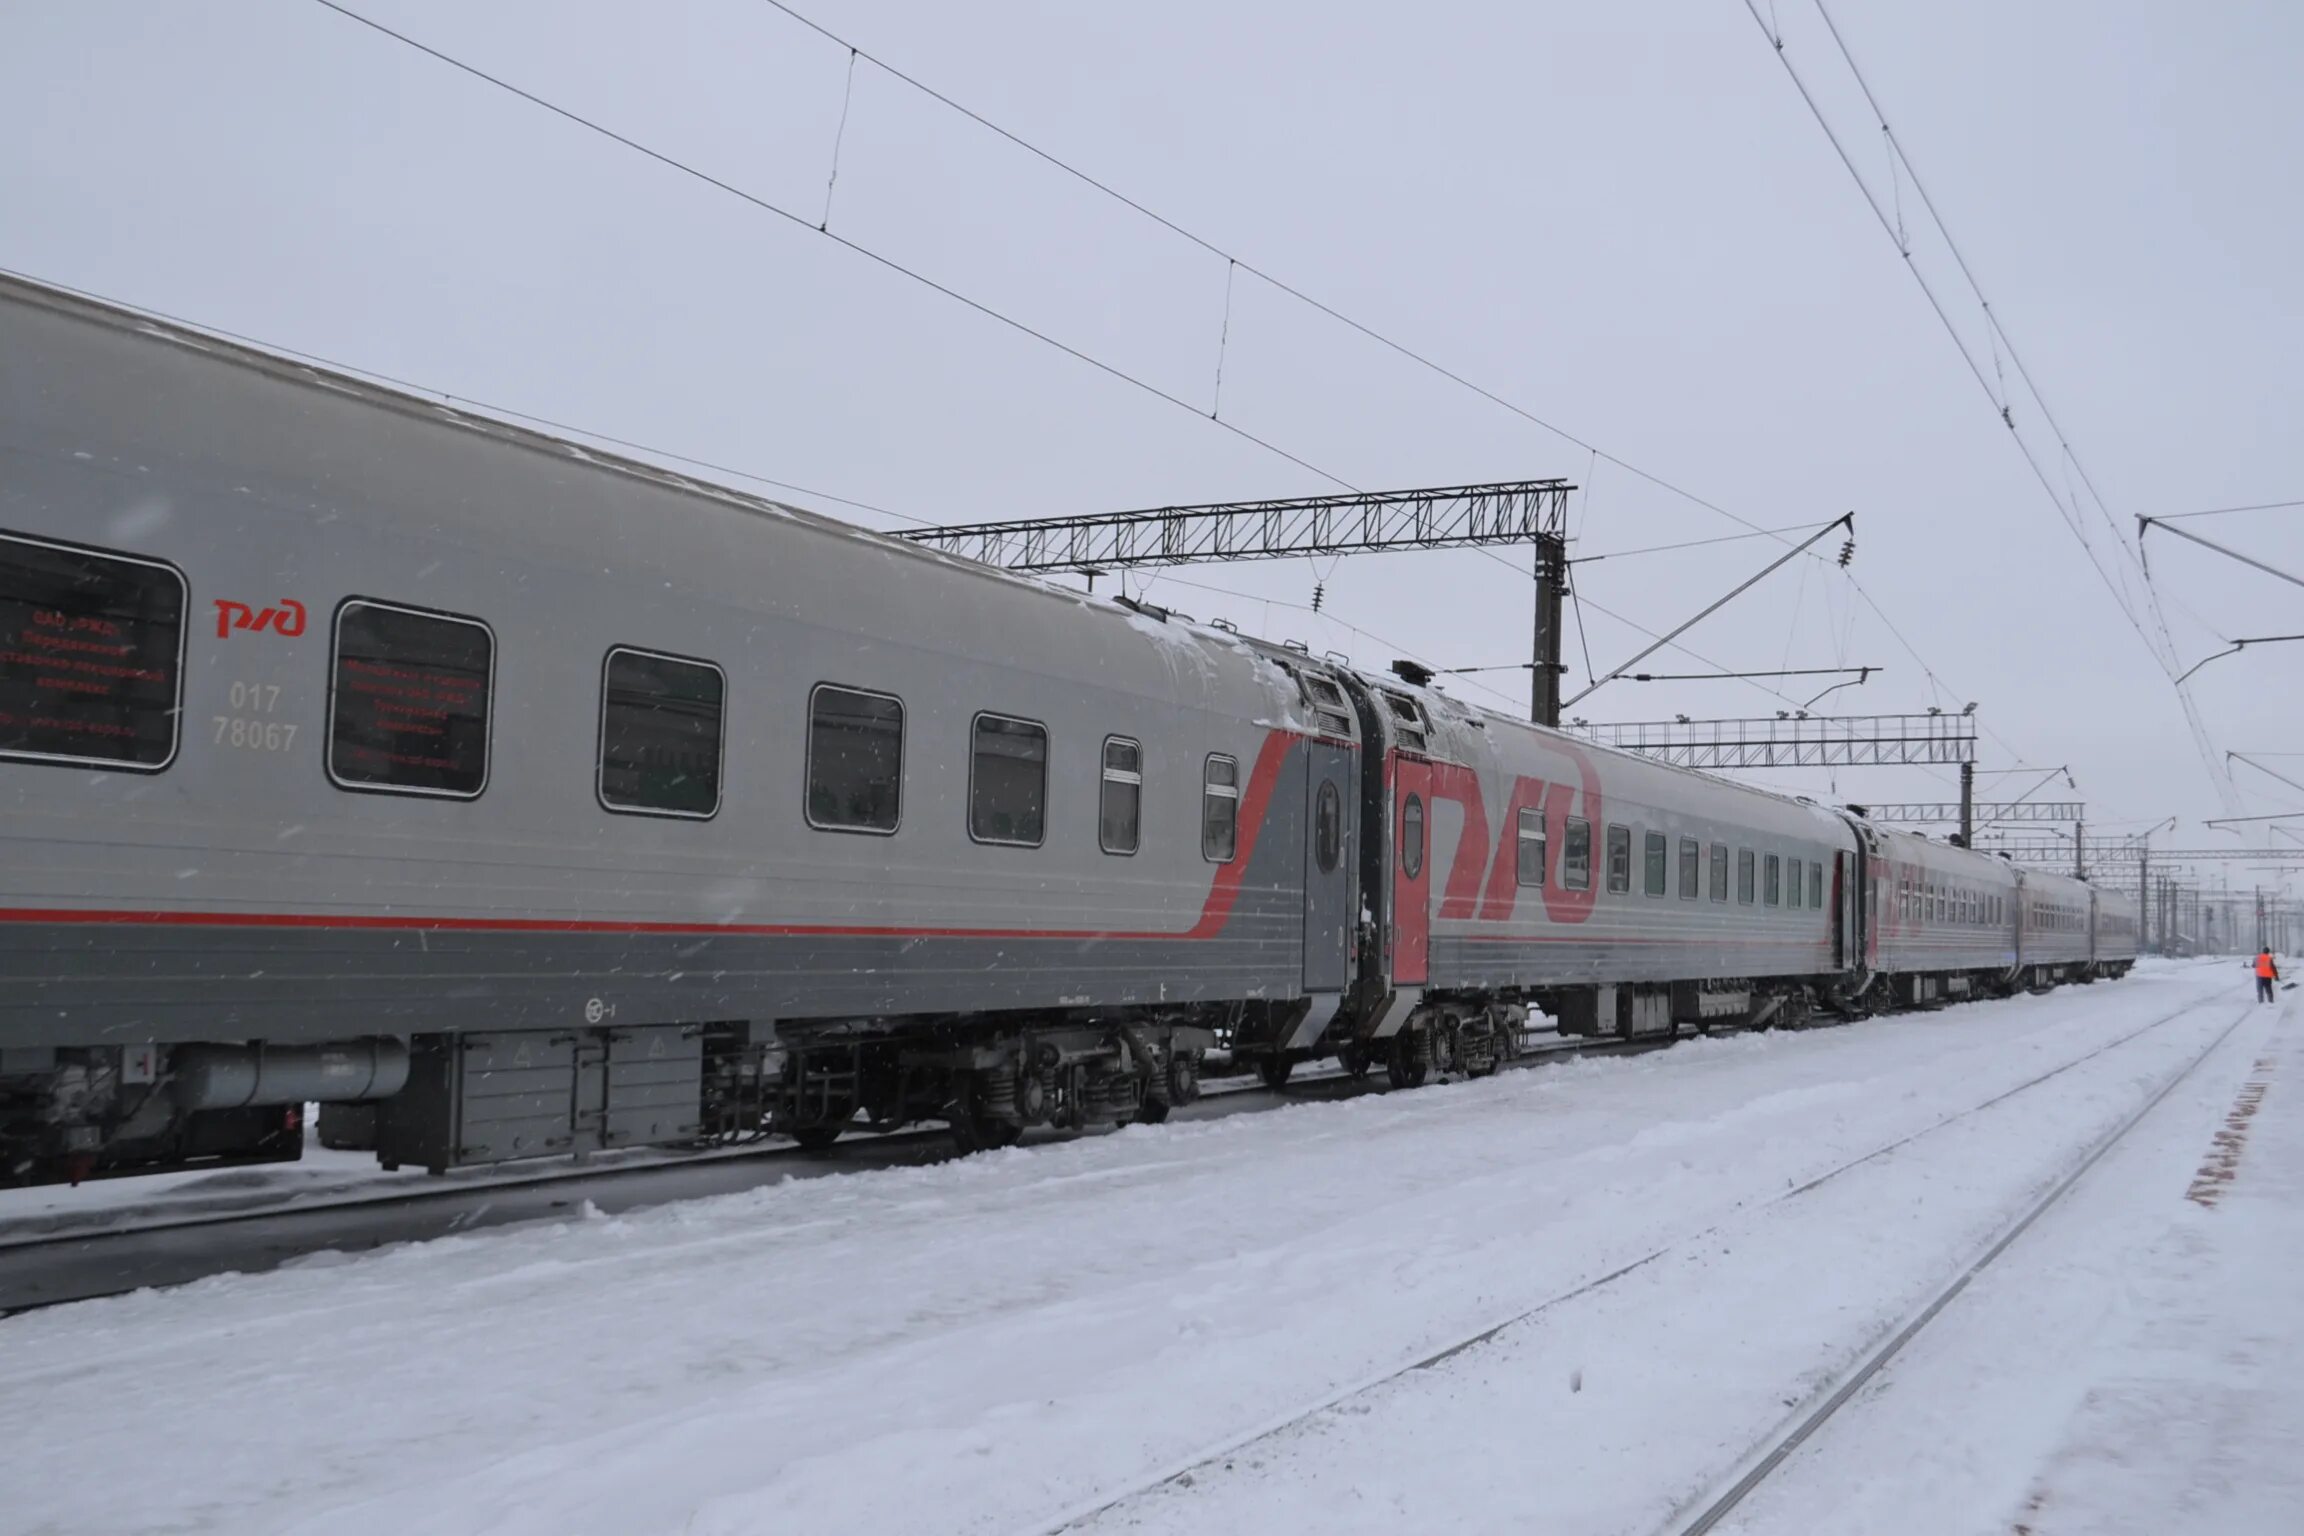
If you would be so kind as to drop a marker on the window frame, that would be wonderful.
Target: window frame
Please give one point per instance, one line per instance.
(720, 742)
(488, 706)
(1815, 885)
(1543, 841)
(1718, 881)
(1106, 776)
(1570, 826)
(1328, 795)
(808, 760)
(1047, 754)
(1656, 860)
(1619, 834)
(1747, 878)
(183, 641)
(1772, 880)
(1691, 869)
(1210, 790)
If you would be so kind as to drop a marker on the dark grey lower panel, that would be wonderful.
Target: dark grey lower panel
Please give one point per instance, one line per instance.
(76, 984)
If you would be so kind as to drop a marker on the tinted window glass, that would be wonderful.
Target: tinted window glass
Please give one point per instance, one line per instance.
(1774, 884)
(1531, 852)
(1744, 875)
(1816, 885)
(855, 760)
(409, 707)
(1119, 814)
(1576, 856)
(660, 734)
(90, 655)
(1008, 781)
(1220, 810)
(1691, 870)
(1653, 855)
(1412, 837)
(1327, 827)
(1619, 858)
(1719, 871)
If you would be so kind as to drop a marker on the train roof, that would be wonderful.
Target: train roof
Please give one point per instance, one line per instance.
(397, 396)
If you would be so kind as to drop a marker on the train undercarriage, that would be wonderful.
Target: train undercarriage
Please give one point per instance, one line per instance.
(442, 1101)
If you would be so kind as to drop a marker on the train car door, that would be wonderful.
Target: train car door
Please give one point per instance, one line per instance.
(1330, 868)
(1411, 877)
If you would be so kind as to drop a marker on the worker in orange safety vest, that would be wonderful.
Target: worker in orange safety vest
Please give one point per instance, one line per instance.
(2267, 972)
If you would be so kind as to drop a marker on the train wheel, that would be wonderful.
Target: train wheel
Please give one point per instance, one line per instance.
(1274, 1070)
(1152, 1112)
(1406, 1067)
(1354, 1061)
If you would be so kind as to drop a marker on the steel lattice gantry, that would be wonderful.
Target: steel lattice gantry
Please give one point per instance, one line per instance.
(1817, 741)
(2132, 853)
(1362, 522)
(1913, 811)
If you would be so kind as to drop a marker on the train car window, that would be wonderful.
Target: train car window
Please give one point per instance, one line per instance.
(660, 734)
(1691, 870)
(1328, 827)
(1719, 871)
(92, 659)
(1744, 876)
(1816, 885)
(409, 701)
(1576, 856)
(1654, 853)
(1772, 885)
(1792, 882)
(1619, 858)
(1531, 851)
(1412, 837)
(1220, 809)
(1120, 806)
(855, 760)
(1008, 781)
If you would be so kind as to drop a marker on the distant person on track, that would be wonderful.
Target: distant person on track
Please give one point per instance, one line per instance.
(2267, 972)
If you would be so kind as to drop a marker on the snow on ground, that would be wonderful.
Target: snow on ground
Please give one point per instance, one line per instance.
(989, 1344)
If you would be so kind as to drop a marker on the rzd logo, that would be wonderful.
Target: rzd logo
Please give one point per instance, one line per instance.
(287, 619)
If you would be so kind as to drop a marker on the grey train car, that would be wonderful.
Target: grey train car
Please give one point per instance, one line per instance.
(513, 800)
(356, 750)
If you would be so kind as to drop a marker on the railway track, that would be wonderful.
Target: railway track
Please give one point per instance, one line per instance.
(1705, 1514)
(1770, 1453)
(84, 1263)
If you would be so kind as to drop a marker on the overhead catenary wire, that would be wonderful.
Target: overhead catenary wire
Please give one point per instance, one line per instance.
(1236, 263)
(858, 53)
(2162, 646)
(707, 179)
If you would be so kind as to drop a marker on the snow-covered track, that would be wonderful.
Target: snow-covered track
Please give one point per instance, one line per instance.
(83, 1263)
(1179, 1471)
(1763, 1460)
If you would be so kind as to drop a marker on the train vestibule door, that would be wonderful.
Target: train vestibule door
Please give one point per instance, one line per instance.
(1411, 871)
(1331, 865)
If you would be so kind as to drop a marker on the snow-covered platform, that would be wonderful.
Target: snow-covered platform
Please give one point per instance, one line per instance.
(1246, 1324)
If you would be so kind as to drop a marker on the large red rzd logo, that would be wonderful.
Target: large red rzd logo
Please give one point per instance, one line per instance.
(287, 619)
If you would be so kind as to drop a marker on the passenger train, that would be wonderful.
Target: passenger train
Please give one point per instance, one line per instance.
(513, 800)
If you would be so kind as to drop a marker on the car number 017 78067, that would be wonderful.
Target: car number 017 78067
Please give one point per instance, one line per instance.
(255, 735)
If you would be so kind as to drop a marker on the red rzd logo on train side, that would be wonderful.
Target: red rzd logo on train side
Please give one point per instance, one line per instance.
(287, 619)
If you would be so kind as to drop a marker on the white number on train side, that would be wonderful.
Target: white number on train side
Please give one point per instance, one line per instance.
(256, 698)
(255, 735)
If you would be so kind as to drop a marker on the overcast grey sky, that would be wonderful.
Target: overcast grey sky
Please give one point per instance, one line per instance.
(1621, 217)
